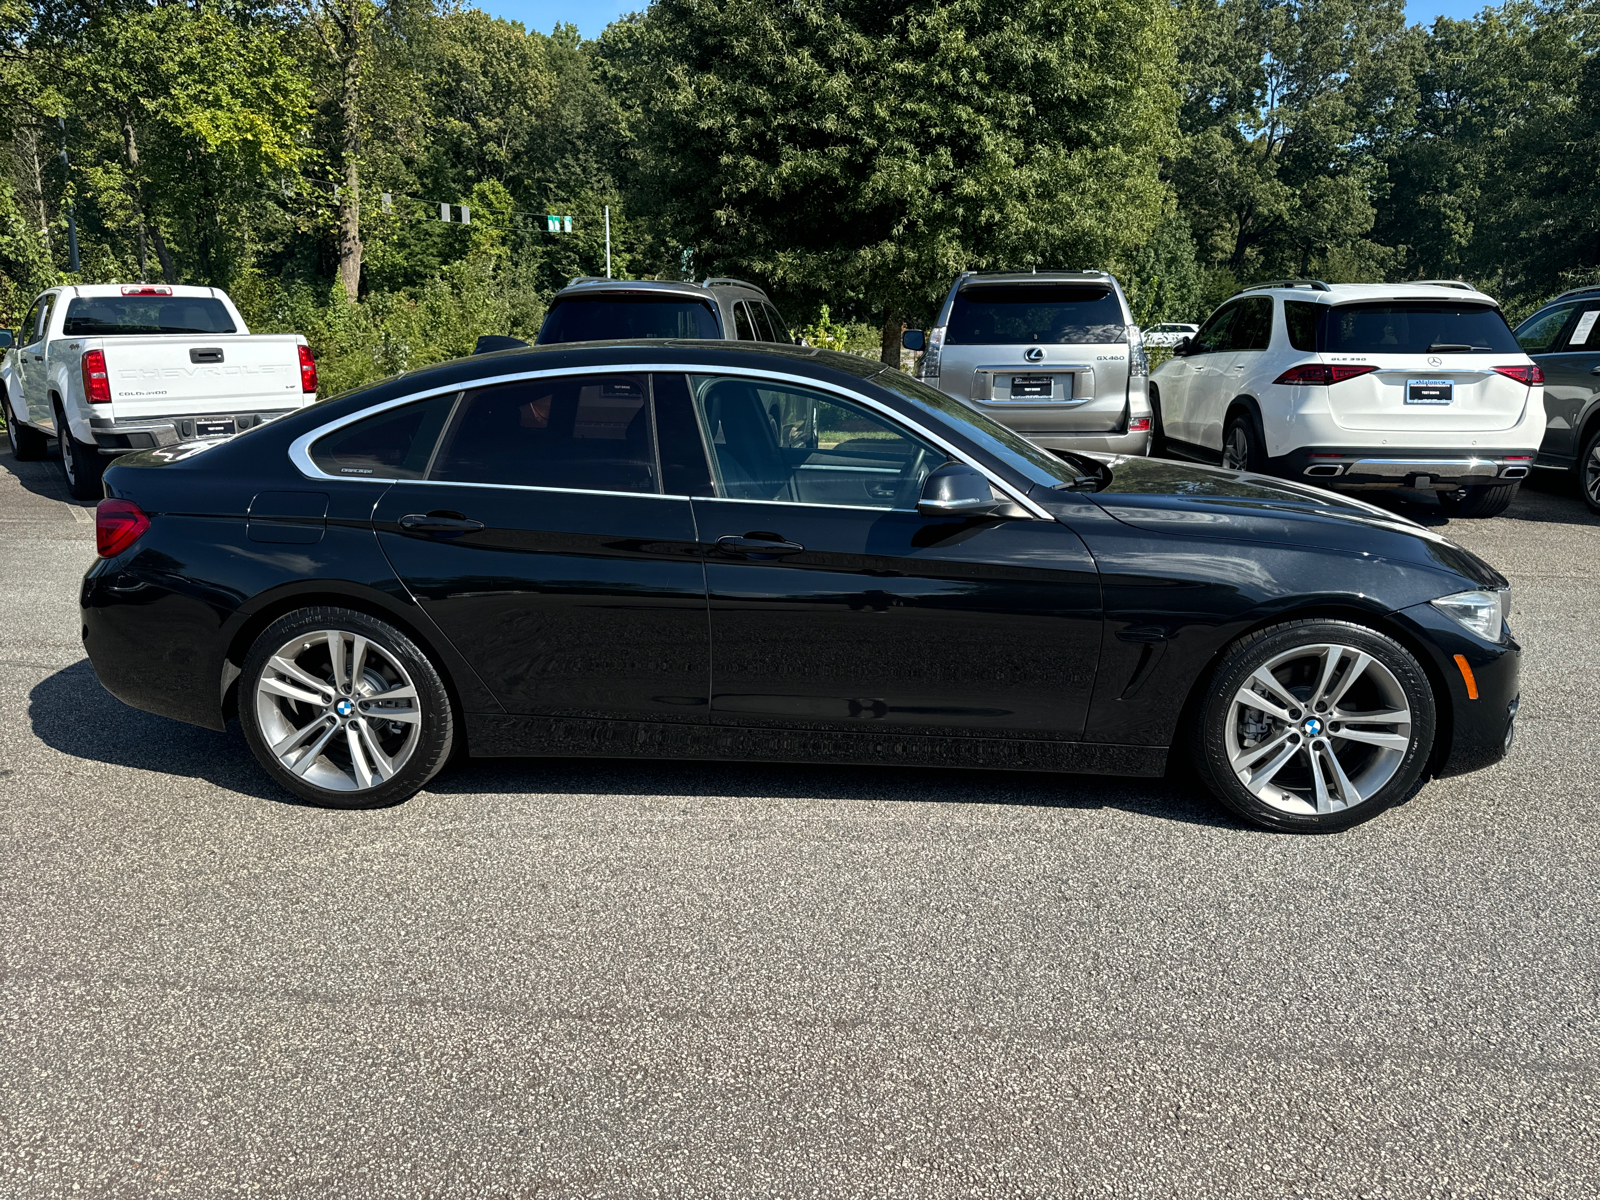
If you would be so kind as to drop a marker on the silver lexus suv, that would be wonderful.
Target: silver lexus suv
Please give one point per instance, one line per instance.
(1054, 354)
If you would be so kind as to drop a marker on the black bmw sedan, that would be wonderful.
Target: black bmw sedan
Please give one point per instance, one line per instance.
(698, 550)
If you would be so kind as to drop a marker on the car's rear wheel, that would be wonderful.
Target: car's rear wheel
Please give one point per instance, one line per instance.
(83, 464)
(1314, 726)
(1241, 445)
(27, 443)
(343, 709)
(1589, 472)
(1482, 500)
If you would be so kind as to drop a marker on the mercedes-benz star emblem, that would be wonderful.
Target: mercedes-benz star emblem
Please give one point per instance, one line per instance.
(1034, 354)
(1436, 362)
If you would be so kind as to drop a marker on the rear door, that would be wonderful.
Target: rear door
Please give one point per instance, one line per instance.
(835, 606)
(1047, 357)
(1565, 342)
(540, 540)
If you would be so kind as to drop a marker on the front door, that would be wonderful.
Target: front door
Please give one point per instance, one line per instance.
(1571, 364)
(31, 365)
(1184, 416)
(541, 541)
(835, 606)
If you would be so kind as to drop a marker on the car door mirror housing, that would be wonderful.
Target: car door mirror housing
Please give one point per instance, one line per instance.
(7, 339)
(956, 490)
(913, 339)
(1185, 346)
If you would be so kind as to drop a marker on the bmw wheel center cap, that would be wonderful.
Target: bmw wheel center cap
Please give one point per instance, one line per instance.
(344, 708)
(1313, 727)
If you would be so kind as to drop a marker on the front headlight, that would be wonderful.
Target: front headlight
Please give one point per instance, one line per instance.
(1482, 612)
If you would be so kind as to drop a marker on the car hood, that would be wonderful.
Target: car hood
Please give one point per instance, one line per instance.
(1210, 502)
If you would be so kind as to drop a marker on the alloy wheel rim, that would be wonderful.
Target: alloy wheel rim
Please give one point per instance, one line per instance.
(1238, 455)
(338, 710)
(1591, 480)
(1318, 729)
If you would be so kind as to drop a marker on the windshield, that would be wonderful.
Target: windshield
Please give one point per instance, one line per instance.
(1008, 314)
(608, 318)
(108, 316)
(1399, 327)
(1039, 466)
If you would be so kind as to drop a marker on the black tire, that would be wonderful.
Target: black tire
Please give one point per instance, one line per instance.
(318, 781)
(1242, 441)
(1484, 500)
(1285, 801)
(1158, 431)
(27, 443)
(1588, 472)
(84, 464)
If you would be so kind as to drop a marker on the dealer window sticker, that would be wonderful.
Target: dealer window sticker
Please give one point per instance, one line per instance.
(1580, 335)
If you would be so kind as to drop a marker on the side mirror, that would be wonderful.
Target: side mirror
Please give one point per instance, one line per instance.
(490, 342)
(956, 490)
(1185, 346)
(913, 339)
(7, 339)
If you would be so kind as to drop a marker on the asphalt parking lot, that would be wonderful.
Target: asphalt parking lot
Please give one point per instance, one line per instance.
(590, 979)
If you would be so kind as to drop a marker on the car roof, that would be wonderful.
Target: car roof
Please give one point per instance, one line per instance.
(666, 287)
(1315, 291)
(1023, 277)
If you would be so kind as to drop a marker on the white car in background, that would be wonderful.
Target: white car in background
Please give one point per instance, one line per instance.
(1359, 385)
(1169, 333)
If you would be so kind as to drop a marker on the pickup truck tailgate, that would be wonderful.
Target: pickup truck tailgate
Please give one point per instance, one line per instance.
(161, 376)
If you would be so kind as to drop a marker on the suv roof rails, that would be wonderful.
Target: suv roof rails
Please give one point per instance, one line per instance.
(577, 279)
(727, 281)
(1460, 284)
(1578, 291)
(1315, 285)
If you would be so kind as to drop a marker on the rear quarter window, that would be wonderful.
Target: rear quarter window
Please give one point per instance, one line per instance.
(1016, 314)
(394, 444)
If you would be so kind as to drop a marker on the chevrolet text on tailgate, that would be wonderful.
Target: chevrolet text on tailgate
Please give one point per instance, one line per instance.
(109, 368)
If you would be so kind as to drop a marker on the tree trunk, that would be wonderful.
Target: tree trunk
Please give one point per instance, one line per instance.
(31, 136)
(131, 147)
(894, 327)
(350, 193)
(169, 269)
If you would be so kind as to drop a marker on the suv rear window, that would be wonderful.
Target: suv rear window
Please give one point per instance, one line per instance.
(1007, 314)
(1399, 327)
(108, 316)
(606, 318)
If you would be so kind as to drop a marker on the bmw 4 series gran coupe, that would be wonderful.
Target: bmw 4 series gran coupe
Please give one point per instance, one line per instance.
(698, 550)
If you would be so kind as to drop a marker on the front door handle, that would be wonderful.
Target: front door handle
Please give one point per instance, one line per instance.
(1594, 370)
(767, 545)
(439, 522)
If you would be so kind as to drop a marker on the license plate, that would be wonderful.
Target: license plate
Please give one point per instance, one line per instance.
(1031, 387)
(1430, 391)
(204, 429)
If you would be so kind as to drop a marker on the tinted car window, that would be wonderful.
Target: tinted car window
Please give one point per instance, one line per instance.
(1301, 318)
(1214, 334)
(1540, 332)
(1012, 314)
(1414, 327)
(743, 328)
(608, 318)
(395, 444)
(110, 316)
(1583, 335)
(780, 330)
(774, 442)
(27, 332)
(1252, 328)
(684, 469)
(582, 431)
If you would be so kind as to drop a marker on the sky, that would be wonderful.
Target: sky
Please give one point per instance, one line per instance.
(592, 16)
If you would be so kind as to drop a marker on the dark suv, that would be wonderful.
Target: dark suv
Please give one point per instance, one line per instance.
(591, 309)
(1563, 339)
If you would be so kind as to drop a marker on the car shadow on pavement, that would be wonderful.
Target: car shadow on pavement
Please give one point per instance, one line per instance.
(70, 712)
(43, 478)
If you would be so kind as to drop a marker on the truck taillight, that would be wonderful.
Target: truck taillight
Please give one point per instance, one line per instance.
(96, 383)
(1527, 375)
(118, 524)
(146, 289)
(1315, 373)
(308, 370)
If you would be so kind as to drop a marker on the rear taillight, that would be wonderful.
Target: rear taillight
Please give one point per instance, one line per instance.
(1322, 373)
(1528, 375)
(96, 383)
(1139, 425)
(146, 289)
(308, 370)
(118, 524)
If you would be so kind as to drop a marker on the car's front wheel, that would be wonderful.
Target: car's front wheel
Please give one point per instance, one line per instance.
(343, 709)
(1314, 726)
(27, 443)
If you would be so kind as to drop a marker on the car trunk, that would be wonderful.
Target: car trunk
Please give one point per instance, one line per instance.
(1408, 395)
(162, 375)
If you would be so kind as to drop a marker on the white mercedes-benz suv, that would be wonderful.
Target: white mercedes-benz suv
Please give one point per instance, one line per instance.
(1358, 385)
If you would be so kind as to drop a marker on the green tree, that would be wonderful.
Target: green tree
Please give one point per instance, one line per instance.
(865, 152)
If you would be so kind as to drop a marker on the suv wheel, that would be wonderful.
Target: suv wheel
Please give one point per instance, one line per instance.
(84, 464)
(27, 443)
(1485, 500)
(1589, 472)
(344, 710)
(1241, 447)
(1314, 726)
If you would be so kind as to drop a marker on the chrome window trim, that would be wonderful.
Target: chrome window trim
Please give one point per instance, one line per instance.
(300, 448)
(797, 504)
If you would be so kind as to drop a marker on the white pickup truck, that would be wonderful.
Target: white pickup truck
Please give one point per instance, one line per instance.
(109, 368)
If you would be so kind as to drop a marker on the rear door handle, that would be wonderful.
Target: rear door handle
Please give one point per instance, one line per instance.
(439, 522)
(771, 546)
(1594, 370)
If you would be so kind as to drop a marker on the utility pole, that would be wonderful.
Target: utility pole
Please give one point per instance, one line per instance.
(608, 241)
(72, 220)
